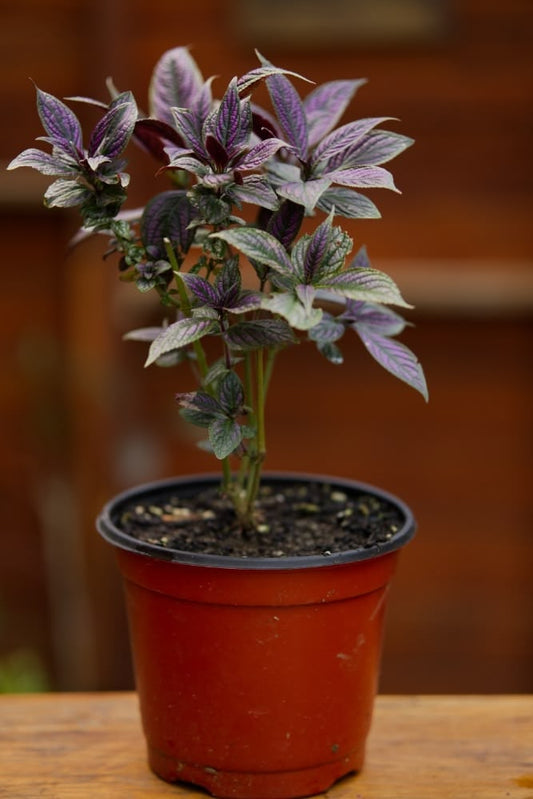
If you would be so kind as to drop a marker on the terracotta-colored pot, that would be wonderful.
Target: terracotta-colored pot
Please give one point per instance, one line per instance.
(256, 677)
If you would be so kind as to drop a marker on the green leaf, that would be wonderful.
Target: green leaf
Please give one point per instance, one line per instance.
(225, 435)
(179, 334)
(298, 314)
(231, 394)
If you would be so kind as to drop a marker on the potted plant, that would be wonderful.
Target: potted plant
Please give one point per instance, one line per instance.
(255, 602)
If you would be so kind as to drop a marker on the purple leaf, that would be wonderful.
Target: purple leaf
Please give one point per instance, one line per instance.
(260, 153)
(370, 285)
(200, 401)
(341, 139)
(252, 335)
(325, 105)
(43, 162)
(233, 121)
(316, 249)
(364, 177)
(217, 152)
(202, 289)
(376, 318)
(348, 203)
(263, 124)
(285, 223)
(154, 135)
(377, 147)
(176, 82)
(168, 216)
(395, 357)
(61, 124)
(254, 189)
(187, 128)
(329, 329)
(306, 193)
(248, 301)
(246, 82)
(113, 132)
(180, 334)
(289, 112)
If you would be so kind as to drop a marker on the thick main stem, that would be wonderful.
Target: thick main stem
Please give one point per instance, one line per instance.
(260, 438)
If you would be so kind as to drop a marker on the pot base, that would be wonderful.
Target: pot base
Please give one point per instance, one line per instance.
(256, 785)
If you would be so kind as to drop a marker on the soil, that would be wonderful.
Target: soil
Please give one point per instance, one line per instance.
(294, 519)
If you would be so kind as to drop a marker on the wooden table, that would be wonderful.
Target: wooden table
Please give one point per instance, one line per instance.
(86, 746)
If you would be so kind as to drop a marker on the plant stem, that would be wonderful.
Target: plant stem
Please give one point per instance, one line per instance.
(260, 450)
(199, 351)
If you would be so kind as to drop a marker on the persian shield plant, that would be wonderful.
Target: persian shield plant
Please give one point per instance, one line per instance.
(258, 286)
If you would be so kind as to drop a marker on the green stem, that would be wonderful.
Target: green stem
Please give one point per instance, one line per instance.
(260, 450)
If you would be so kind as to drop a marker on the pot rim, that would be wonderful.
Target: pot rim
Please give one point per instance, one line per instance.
(107, 526)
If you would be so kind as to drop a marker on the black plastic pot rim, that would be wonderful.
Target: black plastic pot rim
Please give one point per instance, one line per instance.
(108, 528)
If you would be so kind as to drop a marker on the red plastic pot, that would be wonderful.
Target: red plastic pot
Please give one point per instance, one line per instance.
(257, 677)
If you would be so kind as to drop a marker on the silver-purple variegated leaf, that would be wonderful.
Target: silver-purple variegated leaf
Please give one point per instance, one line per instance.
(188, 130)
(114, 130)
(294, 307)
(328, 153)
(233, 121)
(65, 194)
(328, 330)
(375, 318)
(395, 357)
(260, 153)
(377, 147)
(180, 334)
(176, 82)
(290, 113)
(347, 203)
(44, 162)
(260, 246)
(370, 285)
(143, 334)
(321, 254)
(168, 216)
(306, 193)
(254, 189)
(247, 301)
(258, 333)
(201, 288)
(267, 69)
(326, 104)
(61, 124)
(364, 177)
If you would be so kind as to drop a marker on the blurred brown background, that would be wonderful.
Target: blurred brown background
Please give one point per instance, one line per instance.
(81, 418)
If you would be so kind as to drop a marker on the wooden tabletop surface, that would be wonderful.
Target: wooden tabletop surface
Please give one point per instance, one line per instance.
(87, 746)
